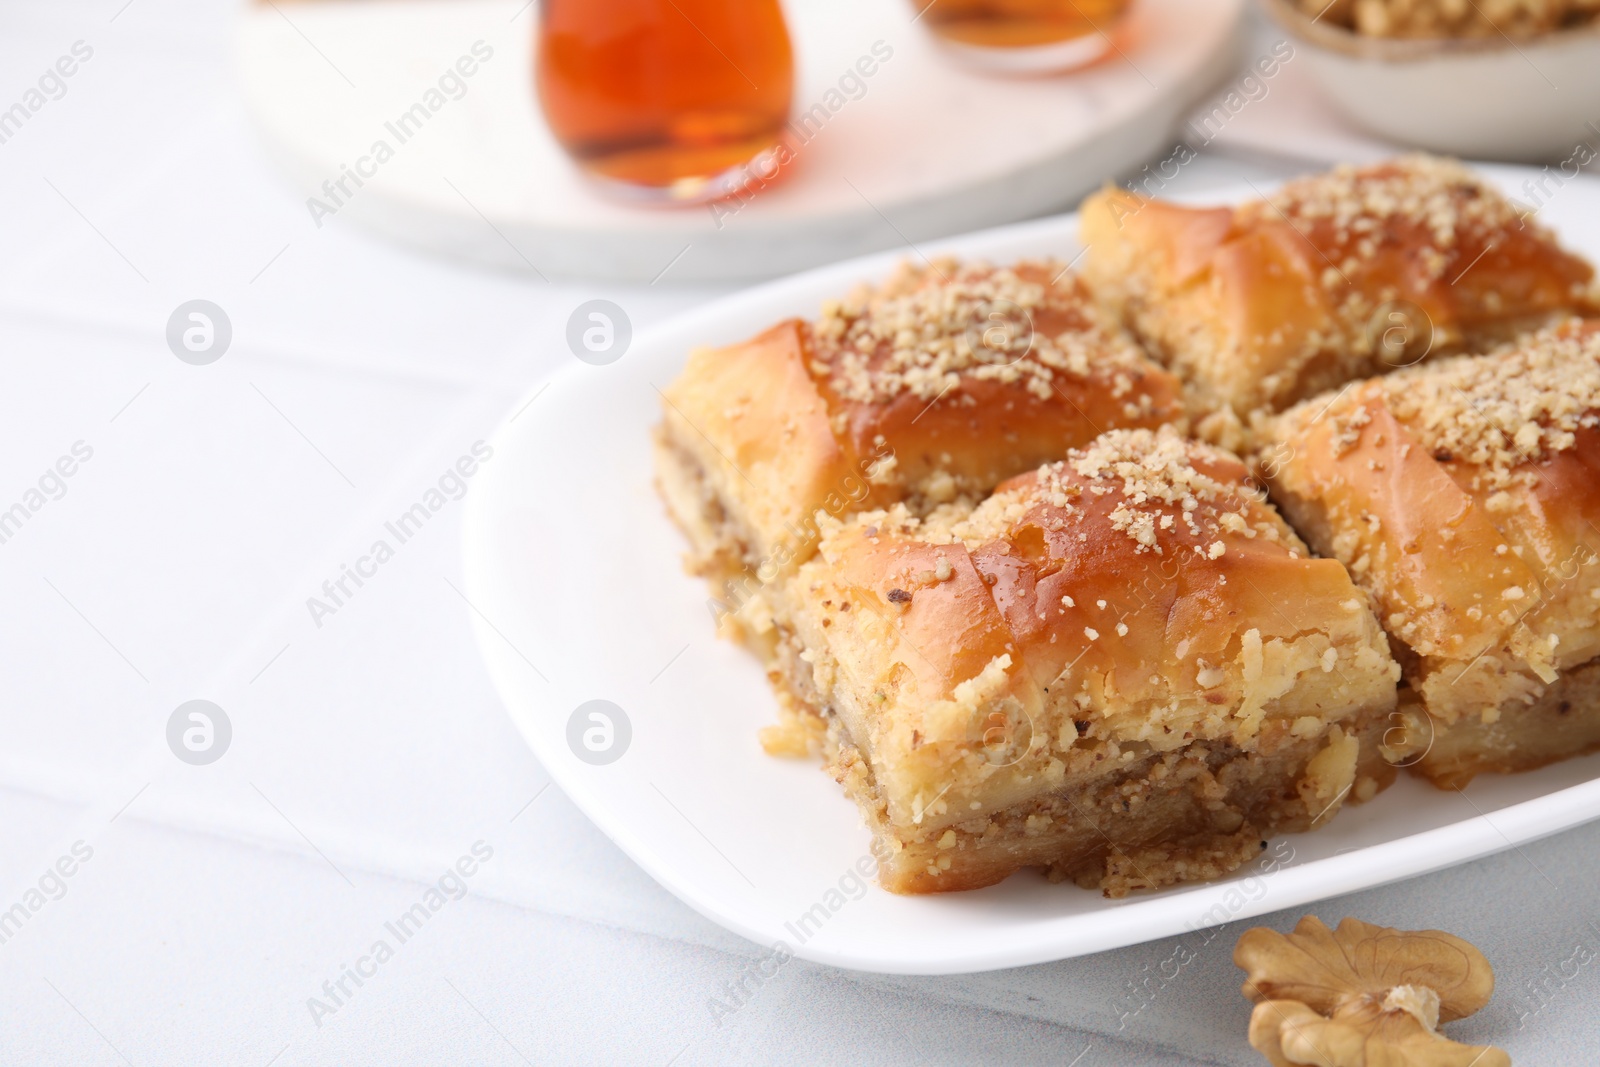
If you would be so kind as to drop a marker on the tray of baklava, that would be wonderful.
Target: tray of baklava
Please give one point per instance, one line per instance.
(1124, 573)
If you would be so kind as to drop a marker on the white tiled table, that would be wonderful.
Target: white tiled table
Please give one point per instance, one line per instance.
(369, 753)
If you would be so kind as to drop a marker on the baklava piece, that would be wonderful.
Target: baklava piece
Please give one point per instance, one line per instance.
(1122, 668)
(1464, 495)
(1335, 277)
(926, 391)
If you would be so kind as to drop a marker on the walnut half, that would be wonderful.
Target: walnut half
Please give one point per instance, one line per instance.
(1363, 996)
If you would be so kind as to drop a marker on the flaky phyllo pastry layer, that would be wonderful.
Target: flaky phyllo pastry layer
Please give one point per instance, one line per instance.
(1464, 495)
(1122, 666)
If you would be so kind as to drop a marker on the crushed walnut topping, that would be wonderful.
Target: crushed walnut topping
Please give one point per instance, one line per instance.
(1156, 485)
(1493, 415)
(1347, 427)
(1506, 409)
(1361, 205)
(1156, 471)
(926, 329)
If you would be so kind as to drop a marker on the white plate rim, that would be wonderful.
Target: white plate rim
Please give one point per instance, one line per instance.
(1136, 920)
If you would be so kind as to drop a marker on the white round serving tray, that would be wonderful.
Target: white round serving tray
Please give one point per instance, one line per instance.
(927, 149)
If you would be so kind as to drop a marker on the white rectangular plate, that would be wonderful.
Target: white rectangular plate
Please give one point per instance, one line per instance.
(574, 573)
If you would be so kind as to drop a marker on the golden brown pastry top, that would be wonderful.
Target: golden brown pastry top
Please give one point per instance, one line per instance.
(940, 383)
(971, 373)
(930, 329)
(1152, 568)
(1496, 419)
(1429, 230)
(1334, 277)
(1465, 494)
(1140, 591)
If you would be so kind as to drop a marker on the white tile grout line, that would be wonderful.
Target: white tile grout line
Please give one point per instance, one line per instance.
(75, 321)
(171, 156)
(481, 407)
(488, 888)
(491, 887)
(367, 859)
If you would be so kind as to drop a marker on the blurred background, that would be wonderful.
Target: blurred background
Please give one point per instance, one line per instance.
(273, 270)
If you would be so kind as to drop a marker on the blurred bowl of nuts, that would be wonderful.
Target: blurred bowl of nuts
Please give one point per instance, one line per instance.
(1514, 80)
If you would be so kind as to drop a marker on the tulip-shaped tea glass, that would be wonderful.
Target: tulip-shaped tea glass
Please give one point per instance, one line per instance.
(666, 100)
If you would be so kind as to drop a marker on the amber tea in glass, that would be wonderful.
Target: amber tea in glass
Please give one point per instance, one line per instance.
(1024, 36)
(667, 100)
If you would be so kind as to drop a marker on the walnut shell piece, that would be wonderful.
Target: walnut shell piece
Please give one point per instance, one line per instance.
(1363, 996)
